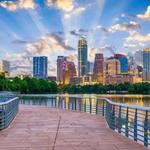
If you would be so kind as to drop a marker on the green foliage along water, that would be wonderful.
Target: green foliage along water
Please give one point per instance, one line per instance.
(28, 85)
(40, 86)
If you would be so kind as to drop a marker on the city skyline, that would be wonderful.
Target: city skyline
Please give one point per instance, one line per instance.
(33, 28)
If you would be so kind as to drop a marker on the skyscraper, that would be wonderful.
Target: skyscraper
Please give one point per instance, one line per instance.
(5, 67)
(40, 65)
(98, 64)
(90, 67)
(98, 68)
(112, 66)
(60, 62)
(146, 64)
(65, 69)
(123, 63)
(82, 57)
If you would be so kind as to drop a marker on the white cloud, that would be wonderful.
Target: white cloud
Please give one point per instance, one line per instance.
(65, 5)
(138, 37)
(146, 15)
(125, 27)
(20, 4)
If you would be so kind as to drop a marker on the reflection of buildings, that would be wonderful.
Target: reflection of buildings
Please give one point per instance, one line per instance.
(40, 65)
(5, 67)
(146, 64)
(82, 57)
(98, 68)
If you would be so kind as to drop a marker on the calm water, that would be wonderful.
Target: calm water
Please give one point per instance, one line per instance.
(128, 99)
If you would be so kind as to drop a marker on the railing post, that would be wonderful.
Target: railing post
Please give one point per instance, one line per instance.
(85, 105)
(135, 125)
(90, 105)
(112, 115)
(96, 107)
(75, 104)
(119, 120)
(103, 108)
(127, 120)
(146, 129)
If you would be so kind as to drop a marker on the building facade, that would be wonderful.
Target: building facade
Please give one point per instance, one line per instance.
(60, 62)
(82, 57)
(5, 67)
(40, 65)
(112, 66)
(146, 64)
(98, 70)
(65, 70)
(123, 63)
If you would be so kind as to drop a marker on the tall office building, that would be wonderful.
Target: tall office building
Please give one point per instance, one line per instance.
(65, 69)
(82, 57)
(40, 65)
(60, 62)
(90, 67)
(5, 67)
(98, 64)
(112, 66)
(146, 64)
(98, 68)
(123, 63)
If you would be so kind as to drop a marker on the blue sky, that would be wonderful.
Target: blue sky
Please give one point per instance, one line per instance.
(53, 27)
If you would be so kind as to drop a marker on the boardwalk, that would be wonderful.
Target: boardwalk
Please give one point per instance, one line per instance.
(42, 128)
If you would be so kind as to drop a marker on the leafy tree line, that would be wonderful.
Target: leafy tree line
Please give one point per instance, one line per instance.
(28, 85)
(138, 88)
(40, 86)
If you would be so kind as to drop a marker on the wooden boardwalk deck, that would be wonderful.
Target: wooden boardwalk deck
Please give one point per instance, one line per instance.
(42, 128)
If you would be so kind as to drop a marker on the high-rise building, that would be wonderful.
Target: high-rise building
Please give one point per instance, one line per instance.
(65, 69)
(60, 62)
(82, 57)
(90, 67)
(123, 63)
(138, 55)
(98, 68)
(40, 65)
(112, 66)
(146, 64)
(98, 64)
(5, 67)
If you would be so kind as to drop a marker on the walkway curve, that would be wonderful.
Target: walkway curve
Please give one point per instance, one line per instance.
(43, 128)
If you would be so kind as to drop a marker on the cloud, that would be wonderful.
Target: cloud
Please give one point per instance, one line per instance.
(65, 5)
(79, 32)
(20, 4)
(146, 15)
(18, 41)
(138, 37)
(132, 25)
(76, 11)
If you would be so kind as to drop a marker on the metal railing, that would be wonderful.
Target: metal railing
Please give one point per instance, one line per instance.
(8, 109)
(129, 120)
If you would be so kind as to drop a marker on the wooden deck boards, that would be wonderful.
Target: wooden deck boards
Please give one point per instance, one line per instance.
(42, 128)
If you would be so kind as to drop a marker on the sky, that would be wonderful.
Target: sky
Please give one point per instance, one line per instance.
(52, 28)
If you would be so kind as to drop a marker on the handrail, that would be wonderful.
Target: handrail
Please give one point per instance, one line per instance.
(8, 111)
(5, 103)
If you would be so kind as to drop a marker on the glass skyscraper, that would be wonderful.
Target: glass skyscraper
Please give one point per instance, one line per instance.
(40, 65)
(82, 57)
(123, 63)
(146, 64)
